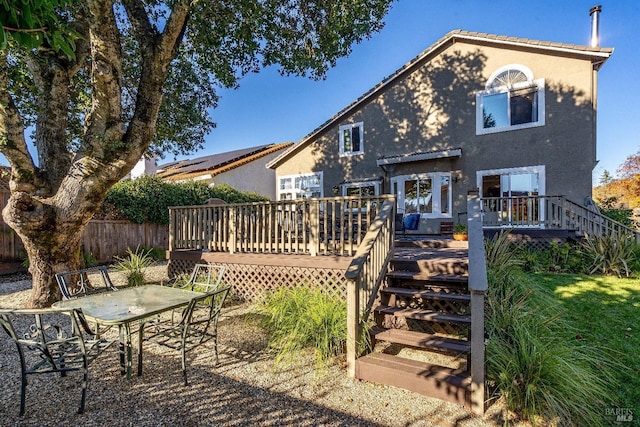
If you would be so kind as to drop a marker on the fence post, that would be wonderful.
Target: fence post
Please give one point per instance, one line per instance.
(478, 287)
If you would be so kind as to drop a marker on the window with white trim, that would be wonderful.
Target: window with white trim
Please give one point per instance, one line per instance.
(362, 189)
(428, 194)
(512, 100)
(303, 186)
(351, 139)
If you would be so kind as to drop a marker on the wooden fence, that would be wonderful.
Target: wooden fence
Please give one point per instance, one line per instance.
(105, 239)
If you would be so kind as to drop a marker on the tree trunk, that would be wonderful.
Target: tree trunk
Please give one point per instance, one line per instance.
(51, 240)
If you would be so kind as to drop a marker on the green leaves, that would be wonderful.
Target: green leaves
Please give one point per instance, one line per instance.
(147, 199)
(32, 23)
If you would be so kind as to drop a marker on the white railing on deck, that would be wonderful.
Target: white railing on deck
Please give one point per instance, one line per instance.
(550, 212)
(309, 226)
(366, 273)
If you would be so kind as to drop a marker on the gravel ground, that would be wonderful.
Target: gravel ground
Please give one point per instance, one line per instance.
(244, 389)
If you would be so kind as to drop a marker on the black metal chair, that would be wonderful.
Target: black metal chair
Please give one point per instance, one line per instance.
(84, 282)
(197, 324)
(88, 281)
(205, 278)
(50, 341)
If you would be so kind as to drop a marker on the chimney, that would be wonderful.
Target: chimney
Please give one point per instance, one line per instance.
(594, 12)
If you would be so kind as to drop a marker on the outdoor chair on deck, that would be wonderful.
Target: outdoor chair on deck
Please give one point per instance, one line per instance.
(50, 341)
(406, 222)
(197, 324)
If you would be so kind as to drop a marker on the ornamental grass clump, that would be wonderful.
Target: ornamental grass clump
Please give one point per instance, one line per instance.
(134, 264)
(610, 253)
(533, 359)
(305, 318)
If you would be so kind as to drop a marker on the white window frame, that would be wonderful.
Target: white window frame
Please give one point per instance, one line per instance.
(359, 184)
(299, 193)
(539, 170)
(436, 177)
(350, 127)
(537, 84)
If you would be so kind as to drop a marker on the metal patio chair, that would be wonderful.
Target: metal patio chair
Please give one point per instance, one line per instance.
(87, 281)
(50, 341)
(84, 282)
(205, 278)
(197, 324)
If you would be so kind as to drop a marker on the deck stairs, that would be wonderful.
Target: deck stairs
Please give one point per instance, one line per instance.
(422, 322)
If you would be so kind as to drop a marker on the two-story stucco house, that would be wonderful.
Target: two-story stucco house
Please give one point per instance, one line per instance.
(509, 116)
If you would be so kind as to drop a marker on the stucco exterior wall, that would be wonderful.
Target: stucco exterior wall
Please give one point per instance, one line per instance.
(433, 107)
(253, 176)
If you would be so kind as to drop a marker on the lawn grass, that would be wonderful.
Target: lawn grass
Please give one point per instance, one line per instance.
(605, 312)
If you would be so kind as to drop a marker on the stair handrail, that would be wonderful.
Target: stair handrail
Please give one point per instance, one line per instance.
(365, 274)
(592, 222)
(478, 285)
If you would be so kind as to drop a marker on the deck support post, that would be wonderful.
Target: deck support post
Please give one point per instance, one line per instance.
(353, 325)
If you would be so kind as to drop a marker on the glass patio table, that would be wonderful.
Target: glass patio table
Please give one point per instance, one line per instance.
(123, 307)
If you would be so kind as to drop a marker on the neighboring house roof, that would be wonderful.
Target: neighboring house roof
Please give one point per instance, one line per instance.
(215, 164)
(598, 56)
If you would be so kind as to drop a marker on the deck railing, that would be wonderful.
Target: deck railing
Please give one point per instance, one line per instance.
(310, 226)
(551, 212)
(478, 285)
(365, 274)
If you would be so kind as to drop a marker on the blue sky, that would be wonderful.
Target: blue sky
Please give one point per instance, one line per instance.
(269, 108)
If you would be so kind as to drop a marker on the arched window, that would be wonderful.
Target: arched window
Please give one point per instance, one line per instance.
(512, 99)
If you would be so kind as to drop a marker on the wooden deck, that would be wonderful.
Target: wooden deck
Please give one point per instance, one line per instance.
(283, 260)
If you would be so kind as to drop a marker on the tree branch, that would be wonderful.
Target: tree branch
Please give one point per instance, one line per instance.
(12, 141)
(104, 125)
(156, 60)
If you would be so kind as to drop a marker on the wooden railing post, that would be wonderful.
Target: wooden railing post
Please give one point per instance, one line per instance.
(477, 286)
(314, 227)
(172, 228)
(233, 240)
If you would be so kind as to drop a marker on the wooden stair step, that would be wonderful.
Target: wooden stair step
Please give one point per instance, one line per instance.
(444, 383)
(431, 316)
(421, 340)
(419, 276)
(417, 293)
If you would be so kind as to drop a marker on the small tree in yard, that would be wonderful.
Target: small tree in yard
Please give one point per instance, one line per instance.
(125, 78)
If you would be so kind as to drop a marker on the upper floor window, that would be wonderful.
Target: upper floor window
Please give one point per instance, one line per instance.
(303, 186)
(351, 138)
(512, 99)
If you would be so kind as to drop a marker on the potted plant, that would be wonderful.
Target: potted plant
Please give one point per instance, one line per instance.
(460, 232)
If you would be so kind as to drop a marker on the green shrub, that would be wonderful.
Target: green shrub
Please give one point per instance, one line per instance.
(89, 259)
(134, 264)
(303, 318)
(610, 254)
(148, 198)
(533, 359)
